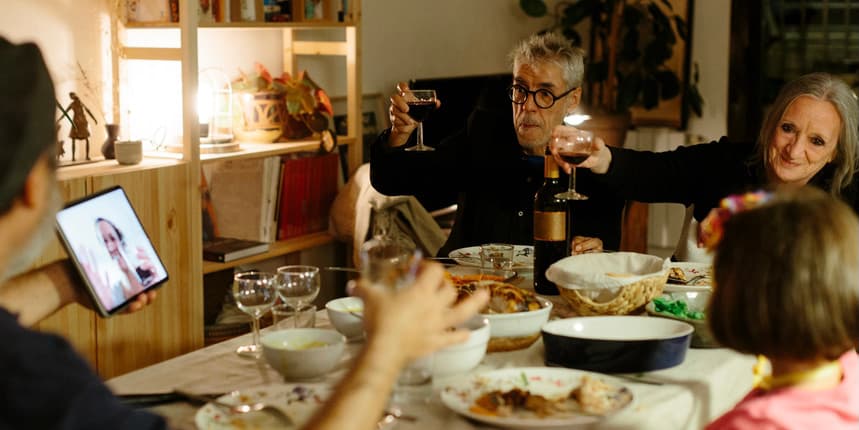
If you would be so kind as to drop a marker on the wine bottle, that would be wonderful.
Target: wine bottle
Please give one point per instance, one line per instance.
(550, 227)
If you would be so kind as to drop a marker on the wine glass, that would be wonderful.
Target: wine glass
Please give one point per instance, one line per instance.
(574, 148)
(255, 294)
(297, 286)
(392, 264)
(421, 103)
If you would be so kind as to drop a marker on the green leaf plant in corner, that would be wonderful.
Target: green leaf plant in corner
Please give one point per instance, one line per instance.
(630, 42)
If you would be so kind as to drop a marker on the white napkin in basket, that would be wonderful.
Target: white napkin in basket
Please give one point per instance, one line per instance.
(604, 270)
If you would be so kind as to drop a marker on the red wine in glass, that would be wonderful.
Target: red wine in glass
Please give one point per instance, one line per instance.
(421, 103)
(574, 148)
(419, 110)
(574, 158)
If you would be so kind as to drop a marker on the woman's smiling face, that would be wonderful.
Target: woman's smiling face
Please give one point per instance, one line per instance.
(804, 140)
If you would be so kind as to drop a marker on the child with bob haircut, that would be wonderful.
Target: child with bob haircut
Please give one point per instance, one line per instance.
(787, 288)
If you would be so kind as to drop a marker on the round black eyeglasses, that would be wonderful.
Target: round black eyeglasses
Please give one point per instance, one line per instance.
(543, 98)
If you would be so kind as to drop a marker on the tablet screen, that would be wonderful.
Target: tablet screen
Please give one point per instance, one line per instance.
(107, 243)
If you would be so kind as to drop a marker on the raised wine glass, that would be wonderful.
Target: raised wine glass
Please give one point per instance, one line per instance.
(255, 294)
(421, 103)
(297, 286)
(574, 148)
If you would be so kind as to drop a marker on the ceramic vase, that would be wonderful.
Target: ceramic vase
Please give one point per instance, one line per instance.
(108, 149)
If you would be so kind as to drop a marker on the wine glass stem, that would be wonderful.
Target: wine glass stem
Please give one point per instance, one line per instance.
(420, 134)
(255, 320)
(572, 184)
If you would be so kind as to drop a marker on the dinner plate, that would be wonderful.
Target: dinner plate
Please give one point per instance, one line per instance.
(550, 382)
(298, 401)
(523, 256)
(691, 270)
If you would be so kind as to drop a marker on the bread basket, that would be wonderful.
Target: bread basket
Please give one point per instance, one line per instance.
(619, 283)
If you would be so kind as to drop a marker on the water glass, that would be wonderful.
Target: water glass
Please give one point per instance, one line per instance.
(497, 256)
(298, 286)
(286, 316)
(392, 264)
(255, 293)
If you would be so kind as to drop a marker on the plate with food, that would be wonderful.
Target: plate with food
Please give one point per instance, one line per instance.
(515, 314)
(298, 402)
(460, 275)
(536, 397)
(523, 256)
(689, 277)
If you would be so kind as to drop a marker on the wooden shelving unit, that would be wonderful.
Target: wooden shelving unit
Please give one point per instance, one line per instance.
(165, 190)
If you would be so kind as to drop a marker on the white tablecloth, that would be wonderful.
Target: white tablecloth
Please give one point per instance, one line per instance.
(708, 383)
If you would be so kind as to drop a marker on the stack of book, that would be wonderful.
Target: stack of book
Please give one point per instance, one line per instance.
(267, 199)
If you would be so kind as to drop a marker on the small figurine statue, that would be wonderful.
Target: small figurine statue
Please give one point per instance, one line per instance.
(80, 127)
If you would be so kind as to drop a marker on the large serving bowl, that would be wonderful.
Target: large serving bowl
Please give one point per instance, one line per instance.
(695, 302)
(344, 314)
(462, 357)
(303, 353)
(616, 344)
(617, 283)
(517, 330)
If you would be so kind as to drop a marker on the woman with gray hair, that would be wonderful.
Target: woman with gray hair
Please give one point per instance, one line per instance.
(810, 136)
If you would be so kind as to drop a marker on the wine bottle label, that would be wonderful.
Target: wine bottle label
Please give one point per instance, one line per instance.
(550, 226)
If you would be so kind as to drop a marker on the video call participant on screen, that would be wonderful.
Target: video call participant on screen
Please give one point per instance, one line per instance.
(496, 163)
(128, 276)
(46, 385)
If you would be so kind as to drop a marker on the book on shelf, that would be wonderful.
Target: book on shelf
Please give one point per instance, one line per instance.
(243, 195)
(307, 192)
(226, 249)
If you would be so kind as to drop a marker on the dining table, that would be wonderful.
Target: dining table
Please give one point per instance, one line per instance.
(688, 396)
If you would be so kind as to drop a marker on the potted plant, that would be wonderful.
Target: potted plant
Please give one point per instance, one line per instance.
(271, 108)
(629, 45)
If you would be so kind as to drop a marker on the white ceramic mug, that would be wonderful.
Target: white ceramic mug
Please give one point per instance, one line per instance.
(129, 151)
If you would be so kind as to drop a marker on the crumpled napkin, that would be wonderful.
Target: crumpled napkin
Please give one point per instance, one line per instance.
(605, 270)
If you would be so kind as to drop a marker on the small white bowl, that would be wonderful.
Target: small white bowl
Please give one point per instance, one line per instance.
(517, 330)
(462, 357)
(342, 312)
(518, 324)
(303, 353)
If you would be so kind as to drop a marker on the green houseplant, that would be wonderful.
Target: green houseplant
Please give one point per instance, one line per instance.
(630, 42)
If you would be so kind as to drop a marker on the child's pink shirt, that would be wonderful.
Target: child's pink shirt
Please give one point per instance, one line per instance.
(794, 408)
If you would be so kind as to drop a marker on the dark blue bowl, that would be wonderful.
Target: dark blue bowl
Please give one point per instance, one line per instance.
(616, 344)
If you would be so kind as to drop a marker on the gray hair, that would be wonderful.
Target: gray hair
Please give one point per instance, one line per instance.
(821, 86)
(552, 48)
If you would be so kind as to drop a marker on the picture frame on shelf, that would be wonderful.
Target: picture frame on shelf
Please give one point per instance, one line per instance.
(374, 119)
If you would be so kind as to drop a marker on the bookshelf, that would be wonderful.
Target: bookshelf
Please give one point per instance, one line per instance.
(165, 188)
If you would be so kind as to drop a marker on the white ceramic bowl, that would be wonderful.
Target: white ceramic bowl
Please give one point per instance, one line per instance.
(519, 324)
(340, 312)
(462, 357)
(303, 353)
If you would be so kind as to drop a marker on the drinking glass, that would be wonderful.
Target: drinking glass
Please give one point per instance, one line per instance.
(421, 103)
(498, 256)
(392, 264)
(255, 294)
(297, 286)
(573, 148)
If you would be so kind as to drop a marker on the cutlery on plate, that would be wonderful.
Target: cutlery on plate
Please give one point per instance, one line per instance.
(238, 408)
(639, 379)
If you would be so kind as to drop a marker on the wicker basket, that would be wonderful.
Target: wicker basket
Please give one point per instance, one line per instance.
(631, 299)
(618, 283)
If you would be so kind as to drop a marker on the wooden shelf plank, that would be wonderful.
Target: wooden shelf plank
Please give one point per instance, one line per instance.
(245, 25)
(277, 249)
(165, 54)
(319, 48)
(111, 167)
(254, 150)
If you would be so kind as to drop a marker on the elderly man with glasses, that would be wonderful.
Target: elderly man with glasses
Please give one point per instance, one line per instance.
(496, 165)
